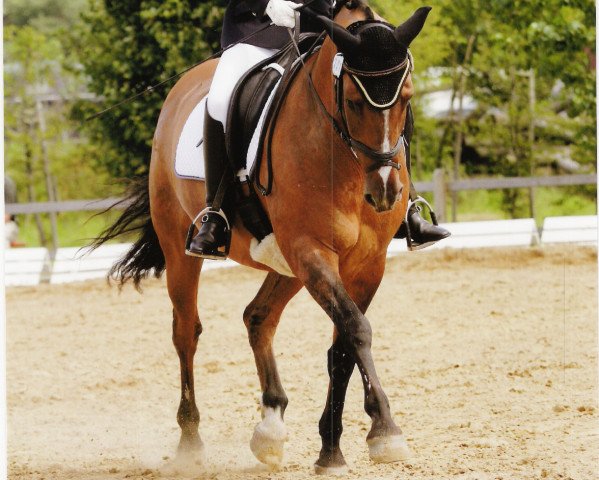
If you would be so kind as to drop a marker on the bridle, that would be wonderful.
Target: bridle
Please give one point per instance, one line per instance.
(339, 69)
(381, 158)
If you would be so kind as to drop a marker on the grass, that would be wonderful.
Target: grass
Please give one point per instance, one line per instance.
(479, 205)
(76, 229)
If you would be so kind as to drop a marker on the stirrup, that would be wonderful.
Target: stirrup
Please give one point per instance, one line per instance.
(190, 234)
(431, 212)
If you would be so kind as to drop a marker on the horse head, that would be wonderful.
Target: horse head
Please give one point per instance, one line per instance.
(371, 107)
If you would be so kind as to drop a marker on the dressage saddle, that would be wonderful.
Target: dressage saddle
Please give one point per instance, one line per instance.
(252, 93)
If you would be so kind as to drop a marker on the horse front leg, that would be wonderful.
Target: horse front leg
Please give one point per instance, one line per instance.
(318, 269)
(261, 318)
(340, 366)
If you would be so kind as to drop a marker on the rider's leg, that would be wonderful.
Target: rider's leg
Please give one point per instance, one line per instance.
(422, 233)
(214, 230)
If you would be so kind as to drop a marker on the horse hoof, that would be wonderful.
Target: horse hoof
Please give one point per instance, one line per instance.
(267, 450)
(190, 447)
(339, 471)
(268, 441)
(388, 449)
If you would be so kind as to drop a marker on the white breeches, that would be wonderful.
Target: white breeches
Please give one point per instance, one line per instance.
(232, 65)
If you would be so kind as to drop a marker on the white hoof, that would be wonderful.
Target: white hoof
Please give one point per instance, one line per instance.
(331, 471)
(268, 441)
(388, 449)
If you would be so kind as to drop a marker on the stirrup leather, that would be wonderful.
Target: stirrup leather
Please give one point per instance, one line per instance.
(204, 216)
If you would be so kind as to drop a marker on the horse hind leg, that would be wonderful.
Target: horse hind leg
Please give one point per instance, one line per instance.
(261, 318)
(182, 283)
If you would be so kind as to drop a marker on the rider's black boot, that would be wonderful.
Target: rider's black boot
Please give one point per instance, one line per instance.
(422, 233)
(214, 235)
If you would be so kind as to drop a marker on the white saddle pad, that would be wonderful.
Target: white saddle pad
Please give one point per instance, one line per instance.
(189, 160)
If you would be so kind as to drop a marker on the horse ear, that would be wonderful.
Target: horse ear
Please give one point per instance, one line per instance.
(345, 41)
(410, 29)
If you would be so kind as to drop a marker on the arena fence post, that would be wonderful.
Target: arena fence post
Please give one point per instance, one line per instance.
(439, 194)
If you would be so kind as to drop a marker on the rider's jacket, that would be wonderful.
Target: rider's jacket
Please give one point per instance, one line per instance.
(244, 17)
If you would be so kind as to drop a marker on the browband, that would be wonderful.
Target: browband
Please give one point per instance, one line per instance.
(407, 64)
(379, 73)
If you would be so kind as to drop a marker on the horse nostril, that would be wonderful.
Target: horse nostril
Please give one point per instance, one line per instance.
(370, 199)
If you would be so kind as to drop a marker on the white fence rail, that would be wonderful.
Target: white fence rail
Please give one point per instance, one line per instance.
(570, 230)
(25, 266)
(440, 186)
(31, 266)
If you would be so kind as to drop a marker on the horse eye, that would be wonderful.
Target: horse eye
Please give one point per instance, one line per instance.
(355, 106)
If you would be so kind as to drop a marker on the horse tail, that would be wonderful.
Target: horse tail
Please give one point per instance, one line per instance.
(145, 257)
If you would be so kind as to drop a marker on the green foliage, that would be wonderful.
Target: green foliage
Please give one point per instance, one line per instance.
(550, 202)
(551, 39)
(34, 69)
(126, 47)
(74, 228)
(34, 85)
(554, 39)
(43, 15)
(116, 49)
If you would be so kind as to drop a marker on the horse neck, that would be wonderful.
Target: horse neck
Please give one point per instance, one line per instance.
(322, 76)
(331, 160)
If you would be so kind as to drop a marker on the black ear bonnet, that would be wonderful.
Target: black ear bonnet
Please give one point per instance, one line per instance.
(380, 64)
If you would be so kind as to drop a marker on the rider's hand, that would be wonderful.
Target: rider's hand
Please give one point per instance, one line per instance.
(282, 12)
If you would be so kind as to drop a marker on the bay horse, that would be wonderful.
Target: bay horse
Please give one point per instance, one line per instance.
(336, 201)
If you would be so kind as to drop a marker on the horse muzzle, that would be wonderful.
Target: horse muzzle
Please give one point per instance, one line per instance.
(383, 189)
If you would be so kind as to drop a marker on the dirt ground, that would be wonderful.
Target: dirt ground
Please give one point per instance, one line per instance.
(489, 359)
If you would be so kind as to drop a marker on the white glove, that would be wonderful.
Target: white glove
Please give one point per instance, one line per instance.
(282, 12)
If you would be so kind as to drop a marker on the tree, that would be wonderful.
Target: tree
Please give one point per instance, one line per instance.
(43, 153)
(540, 41)
(489, 50)
(125, 47)
(46, 16)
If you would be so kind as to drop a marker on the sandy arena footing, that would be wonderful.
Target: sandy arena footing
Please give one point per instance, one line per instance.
(489, 359)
